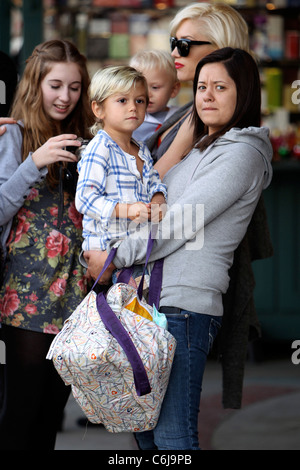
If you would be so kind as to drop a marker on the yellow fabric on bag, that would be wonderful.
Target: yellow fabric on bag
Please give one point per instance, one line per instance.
(135, 307)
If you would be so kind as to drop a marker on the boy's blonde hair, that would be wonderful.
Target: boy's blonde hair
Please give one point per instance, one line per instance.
(154, 59)
(114, 79)
(219, 23)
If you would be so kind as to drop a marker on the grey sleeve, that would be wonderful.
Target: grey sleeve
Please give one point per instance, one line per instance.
(16, 177)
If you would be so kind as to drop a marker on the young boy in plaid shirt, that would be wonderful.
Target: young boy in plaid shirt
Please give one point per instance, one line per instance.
(117, 183)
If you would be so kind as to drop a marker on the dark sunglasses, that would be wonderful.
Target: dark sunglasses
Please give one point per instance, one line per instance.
(184, 45)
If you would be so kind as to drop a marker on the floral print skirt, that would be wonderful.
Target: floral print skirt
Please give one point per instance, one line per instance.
(43, 279)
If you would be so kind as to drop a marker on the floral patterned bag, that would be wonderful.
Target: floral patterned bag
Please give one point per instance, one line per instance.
(118, 362)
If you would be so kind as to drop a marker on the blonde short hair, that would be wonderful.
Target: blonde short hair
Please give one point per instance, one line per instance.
(219, 23)
(154, 59)
(114, 79)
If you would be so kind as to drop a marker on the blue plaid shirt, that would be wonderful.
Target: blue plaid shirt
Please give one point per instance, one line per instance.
(108, 175)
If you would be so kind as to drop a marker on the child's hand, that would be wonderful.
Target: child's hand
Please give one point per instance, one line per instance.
(158, 207)
(139, 212)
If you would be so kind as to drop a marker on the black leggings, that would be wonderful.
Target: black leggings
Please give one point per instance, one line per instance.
(34, 394)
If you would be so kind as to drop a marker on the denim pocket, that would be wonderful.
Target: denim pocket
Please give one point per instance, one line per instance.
(201, 330)
(194, 328)
(178, 326)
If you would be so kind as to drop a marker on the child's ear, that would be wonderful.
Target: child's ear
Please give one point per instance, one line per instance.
(98, 109)
(175, 90)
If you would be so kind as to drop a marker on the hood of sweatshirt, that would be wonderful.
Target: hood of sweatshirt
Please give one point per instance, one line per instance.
(256, 137)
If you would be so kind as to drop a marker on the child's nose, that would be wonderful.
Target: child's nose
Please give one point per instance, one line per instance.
(132, 104)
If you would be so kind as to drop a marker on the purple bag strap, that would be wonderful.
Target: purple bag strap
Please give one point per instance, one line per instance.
(115, 327)
(155, 277)
(155, 283)
(156, 273)
(125, 275)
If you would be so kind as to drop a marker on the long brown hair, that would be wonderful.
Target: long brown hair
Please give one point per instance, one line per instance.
(28, 102)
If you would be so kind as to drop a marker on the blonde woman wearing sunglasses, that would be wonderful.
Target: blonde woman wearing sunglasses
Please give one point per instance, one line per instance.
(196, 30)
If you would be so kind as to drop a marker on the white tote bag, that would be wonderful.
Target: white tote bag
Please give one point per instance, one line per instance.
(117, 361)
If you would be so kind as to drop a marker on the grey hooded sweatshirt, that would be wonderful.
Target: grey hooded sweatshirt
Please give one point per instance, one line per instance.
(211, 198)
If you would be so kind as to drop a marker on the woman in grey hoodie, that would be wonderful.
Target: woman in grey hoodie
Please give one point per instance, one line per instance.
(212, 194)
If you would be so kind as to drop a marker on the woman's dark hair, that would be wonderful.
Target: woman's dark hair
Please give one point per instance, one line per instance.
(243, 70)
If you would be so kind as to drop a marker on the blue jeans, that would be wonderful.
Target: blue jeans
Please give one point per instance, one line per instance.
(177, 427)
